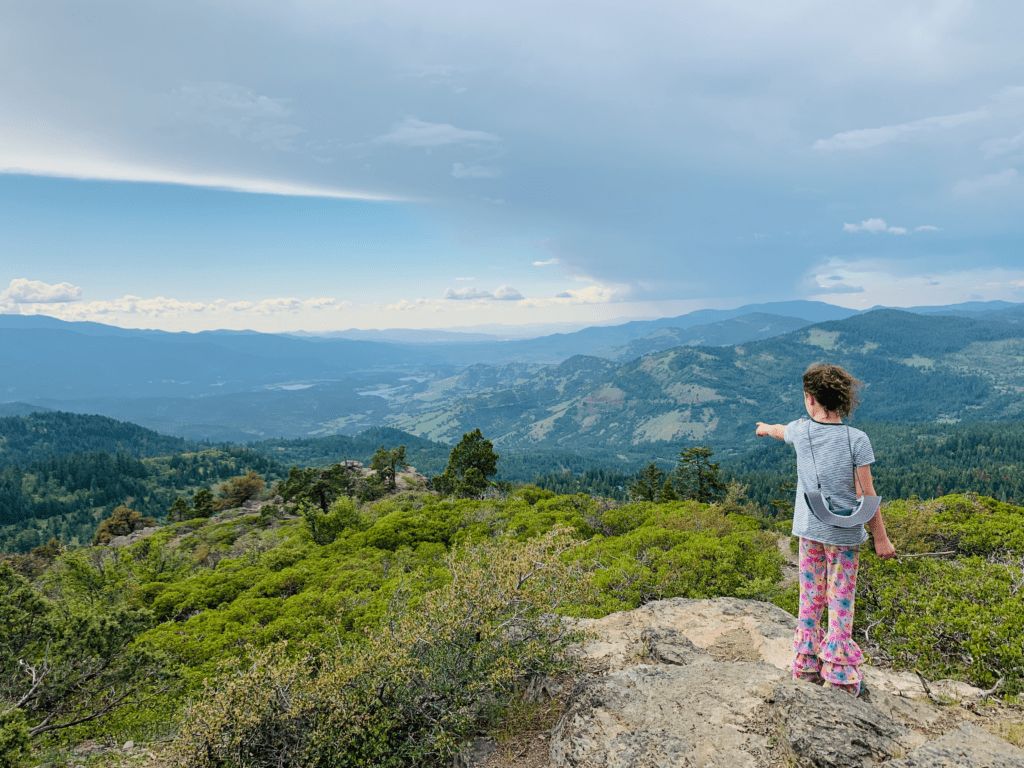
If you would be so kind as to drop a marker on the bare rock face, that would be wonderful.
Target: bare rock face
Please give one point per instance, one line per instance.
(131, 538)
(706, 683)
(966, 747)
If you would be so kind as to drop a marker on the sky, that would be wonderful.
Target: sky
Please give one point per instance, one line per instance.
(315, 165)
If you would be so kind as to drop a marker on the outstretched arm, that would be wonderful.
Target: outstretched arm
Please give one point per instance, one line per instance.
(778, 431)
(865, 487)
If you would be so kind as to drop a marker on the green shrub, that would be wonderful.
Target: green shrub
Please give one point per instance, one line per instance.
(680, 549)
(960, 616)
(960, 619)
(415, 689)
(325, 528)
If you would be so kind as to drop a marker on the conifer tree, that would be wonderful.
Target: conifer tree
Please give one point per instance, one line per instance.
(470, 463)
(697, 477)
(648, 484)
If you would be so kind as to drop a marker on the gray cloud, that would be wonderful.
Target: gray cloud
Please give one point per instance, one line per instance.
(507, 293)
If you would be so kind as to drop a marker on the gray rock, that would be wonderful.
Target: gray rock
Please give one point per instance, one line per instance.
(128, 746)
(668, 645)
(717, 691)
(967, 747)
(666, 717)
(824, 727)
(476, 753)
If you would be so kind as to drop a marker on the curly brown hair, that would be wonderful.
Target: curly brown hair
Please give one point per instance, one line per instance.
(833, 387)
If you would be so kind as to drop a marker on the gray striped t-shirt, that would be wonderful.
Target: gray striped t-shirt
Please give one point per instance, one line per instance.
(834, 472)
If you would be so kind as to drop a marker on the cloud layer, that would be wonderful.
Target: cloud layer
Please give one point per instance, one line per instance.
(22, 291)
(675, 151)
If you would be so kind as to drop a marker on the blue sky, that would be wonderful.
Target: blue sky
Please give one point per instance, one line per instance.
(319, 165)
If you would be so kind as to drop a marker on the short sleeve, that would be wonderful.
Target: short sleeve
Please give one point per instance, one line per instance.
(788, 435)
(862, 451)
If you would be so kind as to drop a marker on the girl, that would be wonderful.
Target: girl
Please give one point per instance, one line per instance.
(837, 458)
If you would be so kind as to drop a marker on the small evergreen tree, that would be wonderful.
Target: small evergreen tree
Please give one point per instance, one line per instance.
(648, 484)
(470, 463)
(202, 503)
(179, 511)
(697, 477)
(668, 492)
(318, 485)
(387, 463)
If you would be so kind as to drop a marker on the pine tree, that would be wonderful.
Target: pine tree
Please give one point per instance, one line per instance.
(697, 477)
(648, 484)
(470, 463)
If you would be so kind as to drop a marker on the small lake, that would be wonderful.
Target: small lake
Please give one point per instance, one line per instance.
(385, 392)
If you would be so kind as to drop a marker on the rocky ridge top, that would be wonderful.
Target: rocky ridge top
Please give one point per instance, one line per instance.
(706, 683)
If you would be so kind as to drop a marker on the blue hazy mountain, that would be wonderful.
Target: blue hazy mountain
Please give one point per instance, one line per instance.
(240, 386)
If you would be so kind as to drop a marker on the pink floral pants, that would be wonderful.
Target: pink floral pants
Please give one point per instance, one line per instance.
(828, 574)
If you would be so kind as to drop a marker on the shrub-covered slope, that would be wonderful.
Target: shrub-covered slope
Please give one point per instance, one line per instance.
(387, 635)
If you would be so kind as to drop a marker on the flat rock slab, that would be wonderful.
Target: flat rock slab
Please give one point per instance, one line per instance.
(748, 715)
(729, 629)
(714, 689)
(967, 747)
(666, 717)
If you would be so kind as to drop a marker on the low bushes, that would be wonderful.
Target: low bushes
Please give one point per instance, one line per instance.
(960, 616)
(415, 688)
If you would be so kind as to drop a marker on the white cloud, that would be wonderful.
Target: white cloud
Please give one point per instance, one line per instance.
(72, 164)
(593, 294)
(469, 292)
(507, 293)
(998, 147)
(1007, 180)
(866, 138)
(22, 291)
(465, 278)
(162, 307)
(547, 263)
(927, 228)
(460, 171)
(874, 226)
(413, 132)
(406, 305)
(811, 287)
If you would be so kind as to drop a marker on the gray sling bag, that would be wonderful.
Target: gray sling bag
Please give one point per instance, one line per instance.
(822, 507)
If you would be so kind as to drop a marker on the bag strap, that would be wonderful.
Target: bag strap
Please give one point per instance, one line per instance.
(853, 462)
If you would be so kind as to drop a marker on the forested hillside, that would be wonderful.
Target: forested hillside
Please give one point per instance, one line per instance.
(66, 497)
(38, 436)
(918, 369)
(923, 460)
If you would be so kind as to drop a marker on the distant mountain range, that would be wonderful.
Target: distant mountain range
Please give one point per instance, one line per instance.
(620, 385)
(918, 368)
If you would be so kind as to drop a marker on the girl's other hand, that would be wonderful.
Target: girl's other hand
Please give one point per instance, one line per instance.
(884, 549)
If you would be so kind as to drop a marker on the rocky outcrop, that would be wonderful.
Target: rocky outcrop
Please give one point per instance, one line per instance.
(133, 537)
(706, 683)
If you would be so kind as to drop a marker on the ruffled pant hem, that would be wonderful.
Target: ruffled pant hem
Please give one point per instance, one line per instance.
(843, 652)
(808, 641)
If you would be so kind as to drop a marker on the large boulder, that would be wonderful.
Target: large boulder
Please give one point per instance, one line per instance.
(706, 683)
